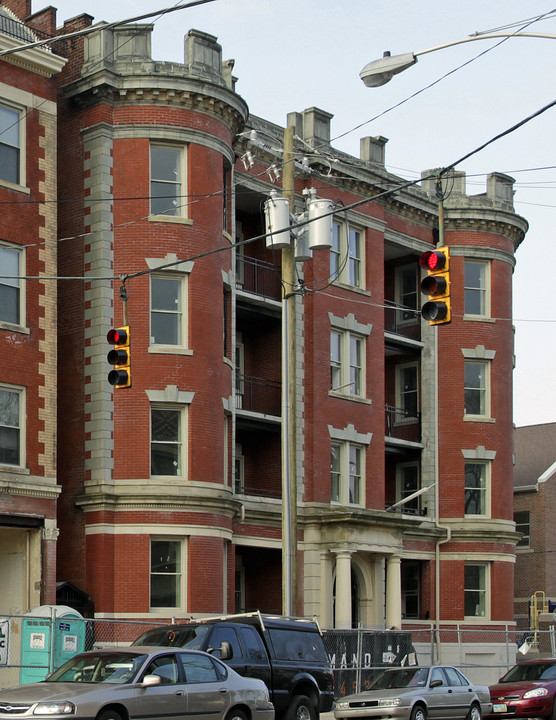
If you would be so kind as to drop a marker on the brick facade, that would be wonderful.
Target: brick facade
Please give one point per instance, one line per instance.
(209, 528)
(28, 326)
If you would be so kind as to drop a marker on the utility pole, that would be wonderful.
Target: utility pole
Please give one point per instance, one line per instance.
(289, 477)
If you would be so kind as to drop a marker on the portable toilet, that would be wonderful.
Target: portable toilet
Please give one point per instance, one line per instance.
(50, 635)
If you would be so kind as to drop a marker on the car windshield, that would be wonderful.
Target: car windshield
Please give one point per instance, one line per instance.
(115, 668)
(531, 671)
(189, 636)
(404, 677)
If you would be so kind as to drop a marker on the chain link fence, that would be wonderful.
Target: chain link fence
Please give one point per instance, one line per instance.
(33, 646)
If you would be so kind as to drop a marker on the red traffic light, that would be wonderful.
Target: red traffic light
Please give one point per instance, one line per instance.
(119, 357)
(433, 260)
(117, 336)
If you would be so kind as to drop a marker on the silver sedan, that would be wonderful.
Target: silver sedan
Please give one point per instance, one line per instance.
(140, 683)
(417, 693)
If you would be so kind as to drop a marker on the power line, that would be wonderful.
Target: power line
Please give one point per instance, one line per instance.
(102, 26)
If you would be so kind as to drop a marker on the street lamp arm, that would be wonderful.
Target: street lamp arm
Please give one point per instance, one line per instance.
(379, 72)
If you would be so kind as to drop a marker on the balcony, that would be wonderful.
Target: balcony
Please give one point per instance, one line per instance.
(402, 425)
(258, 277)
(25, 34)
(401, 320)
(256, 395)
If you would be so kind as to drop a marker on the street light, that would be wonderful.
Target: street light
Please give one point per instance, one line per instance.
(379, 72)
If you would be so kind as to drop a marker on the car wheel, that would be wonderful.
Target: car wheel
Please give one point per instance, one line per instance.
(109, 715)
(474, 713)
(301, 708)
(236, 715)
(418, 713)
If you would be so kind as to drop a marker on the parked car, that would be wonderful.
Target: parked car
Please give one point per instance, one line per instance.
(527, 690)
(288, 655)
(140, 682)
(417, 693)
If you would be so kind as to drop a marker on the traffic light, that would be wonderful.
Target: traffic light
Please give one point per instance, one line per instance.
(119, 357)
(438, 309)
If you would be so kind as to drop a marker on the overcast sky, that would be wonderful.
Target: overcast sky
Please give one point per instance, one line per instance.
(294, 54)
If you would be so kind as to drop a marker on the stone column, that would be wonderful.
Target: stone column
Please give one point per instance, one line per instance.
(343, 589)
(325, 590)
(393, 591)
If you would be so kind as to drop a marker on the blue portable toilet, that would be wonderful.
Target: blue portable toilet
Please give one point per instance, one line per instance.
(50, 635)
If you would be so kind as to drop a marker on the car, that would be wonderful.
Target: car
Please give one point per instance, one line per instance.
(145, 683)
(526, 690)
(417, 693)
(287, 654)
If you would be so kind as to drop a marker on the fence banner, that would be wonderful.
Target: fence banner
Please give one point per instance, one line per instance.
(4, 641)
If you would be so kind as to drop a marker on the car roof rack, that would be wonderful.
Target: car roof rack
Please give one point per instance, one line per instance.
(250, 618)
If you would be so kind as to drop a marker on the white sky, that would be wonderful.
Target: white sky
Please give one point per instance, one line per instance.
(294, 54)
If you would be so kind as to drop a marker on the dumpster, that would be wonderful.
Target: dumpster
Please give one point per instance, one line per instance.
(50, 635)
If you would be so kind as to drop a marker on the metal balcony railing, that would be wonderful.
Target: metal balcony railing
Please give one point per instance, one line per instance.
(401, 320)
(258, 395)
(400, 423)
(25, 34)
(245, 489)
(258, 277)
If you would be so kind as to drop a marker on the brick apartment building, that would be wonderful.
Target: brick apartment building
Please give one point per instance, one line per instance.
(28, 475)
(171, 489)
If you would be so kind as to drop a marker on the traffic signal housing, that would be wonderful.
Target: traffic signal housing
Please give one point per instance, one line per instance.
(436, 284)
(119, 357)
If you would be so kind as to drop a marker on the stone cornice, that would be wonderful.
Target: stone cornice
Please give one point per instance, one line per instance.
(486, 220)
(176, 89)
(30, 488)
(151, 500)
(37, 60)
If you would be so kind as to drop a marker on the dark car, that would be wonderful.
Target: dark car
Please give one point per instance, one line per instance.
(287, 654)
(527, 690)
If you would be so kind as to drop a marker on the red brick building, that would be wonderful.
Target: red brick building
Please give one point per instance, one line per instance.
(172, 496)
(28, 478)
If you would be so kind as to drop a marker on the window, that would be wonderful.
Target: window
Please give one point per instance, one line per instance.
(166, 667)
(167, 181)
(200, 669)
(10, 285)
(476, 381)
(346, 468)
(476, 288)
(11, 423)
(522, 519)
(239, 471)
(346, 363)
(406, 293)
(166, 573)
(167, 316)
(476, 488)
(475, 590)
(346, 255)
(407, 483)
(411, 588)
(166, 441)
(10, 145)
(407, 393)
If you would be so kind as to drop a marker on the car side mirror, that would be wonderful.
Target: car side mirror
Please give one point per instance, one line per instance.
(224, 652)
(150, 680)
(436, 683)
